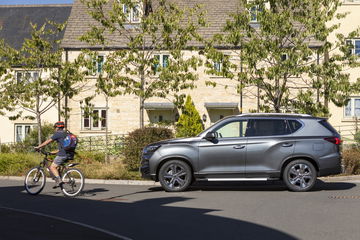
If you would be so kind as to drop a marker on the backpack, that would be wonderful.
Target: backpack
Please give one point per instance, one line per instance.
(70, 142)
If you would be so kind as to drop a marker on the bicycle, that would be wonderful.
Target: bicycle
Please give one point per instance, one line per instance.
(72, 178)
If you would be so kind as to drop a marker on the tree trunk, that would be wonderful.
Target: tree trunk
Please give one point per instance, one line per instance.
(142, 99)
(38, 118)
(66, 112)
(326, 90)
(107, 159)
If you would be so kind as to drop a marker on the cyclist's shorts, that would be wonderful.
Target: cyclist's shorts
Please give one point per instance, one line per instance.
(60, 160)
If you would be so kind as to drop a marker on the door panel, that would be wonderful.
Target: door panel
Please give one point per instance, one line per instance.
(269, 144)
(225, 156)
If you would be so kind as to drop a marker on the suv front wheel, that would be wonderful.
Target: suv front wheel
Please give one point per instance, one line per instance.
(175, 176)
(300, 175)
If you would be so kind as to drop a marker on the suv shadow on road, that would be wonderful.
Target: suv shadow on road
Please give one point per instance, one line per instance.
(261, 186)
(143, 219)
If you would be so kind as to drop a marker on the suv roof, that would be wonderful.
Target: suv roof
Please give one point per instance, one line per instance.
(275, 115)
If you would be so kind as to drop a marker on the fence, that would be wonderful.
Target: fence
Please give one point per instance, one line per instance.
(98, 143)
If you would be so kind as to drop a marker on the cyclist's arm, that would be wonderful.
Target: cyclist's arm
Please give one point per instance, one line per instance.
(54, 152)
(44, 143)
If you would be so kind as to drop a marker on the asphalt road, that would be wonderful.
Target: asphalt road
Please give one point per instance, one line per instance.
(206, 211)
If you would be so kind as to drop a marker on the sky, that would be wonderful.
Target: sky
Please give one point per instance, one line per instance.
(25, 2)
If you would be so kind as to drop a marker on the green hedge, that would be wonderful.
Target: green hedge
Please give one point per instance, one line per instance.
(351, 160)
(138, 139)
(17, 164)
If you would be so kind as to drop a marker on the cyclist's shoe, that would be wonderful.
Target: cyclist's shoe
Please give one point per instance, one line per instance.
(58, 183)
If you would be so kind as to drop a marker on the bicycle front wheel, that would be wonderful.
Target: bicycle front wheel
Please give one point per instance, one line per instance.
(73, 182)
(35, 181)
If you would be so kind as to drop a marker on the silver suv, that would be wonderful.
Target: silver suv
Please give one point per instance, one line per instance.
(249, 147)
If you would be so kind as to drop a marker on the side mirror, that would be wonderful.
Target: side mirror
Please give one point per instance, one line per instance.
(210, 136)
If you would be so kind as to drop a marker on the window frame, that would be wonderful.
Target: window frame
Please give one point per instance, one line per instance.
(96, 69)
(272, 135)
(161, 61)
(352, 103)
(353, 41)
(229, 122)
(24, 133)
(23, 73)
(130, 15)
(91, 120)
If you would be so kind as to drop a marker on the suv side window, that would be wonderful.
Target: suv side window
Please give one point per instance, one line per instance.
(267, 127)
(294, 125)
(232, 129)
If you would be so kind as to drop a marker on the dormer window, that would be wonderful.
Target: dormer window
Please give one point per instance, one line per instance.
(133, 13)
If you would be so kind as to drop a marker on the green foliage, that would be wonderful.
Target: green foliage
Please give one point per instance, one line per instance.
(90, 157)
(139, 69)
(45, 78)
(275, 55)
(31, 140)
(351, 160)
(189, 124)
(138, 139)
(17, 163)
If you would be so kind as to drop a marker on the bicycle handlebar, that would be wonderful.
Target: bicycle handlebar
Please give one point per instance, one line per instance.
(43, 151)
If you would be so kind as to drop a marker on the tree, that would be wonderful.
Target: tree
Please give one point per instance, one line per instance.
(283, 47)
(140, 67)
(44, 79)
(189, 124)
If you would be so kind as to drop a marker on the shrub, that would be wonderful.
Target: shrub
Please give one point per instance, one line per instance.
(17, 163)
(351, 160)
(138, 139)
(90, 157)
(31, 139)
(189, 124)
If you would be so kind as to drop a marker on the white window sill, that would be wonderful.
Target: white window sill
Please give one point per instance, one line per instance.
(94, 131)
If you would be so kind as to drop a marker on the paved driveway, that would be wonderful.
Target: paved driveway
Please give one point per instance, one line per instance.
(206, 211)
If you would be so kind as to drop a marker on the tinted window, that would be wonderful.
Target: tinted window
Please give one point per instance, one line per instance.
(267, 127)
(294, 125)
(232, 129)
(328, 126)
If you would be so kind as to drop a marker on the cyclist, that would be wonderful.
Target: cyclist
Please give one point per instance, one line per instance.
(61, 155)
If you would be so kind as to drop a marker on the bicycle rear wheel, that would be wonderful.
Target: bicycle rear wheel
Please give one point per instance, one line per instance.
(35, 181)
(73, 182)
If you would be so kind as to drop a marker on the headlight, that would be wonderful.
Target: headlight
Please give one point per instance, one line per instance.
(151, 148)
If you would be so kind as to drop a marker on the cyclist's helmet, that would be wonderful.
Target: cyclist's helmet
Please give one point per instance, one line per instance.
(59, 124)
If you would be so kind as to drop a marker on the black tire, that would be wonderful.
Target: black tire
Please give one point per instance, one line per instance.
(300, 175)
(35, 180)
(73, 182)
(175, 176)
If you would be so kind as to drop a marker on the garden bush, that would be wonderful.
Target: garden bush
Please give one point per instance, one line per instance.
(189, 124)
(138, 139)
(351, 160)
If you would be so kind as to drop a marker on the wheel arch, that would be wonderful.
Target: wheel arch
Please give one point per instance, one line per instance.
(173, 158)
(286, 162)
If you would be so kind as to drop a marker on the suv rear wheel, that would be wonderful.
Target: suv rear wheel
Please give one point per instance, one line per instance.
(175, 176)
(300, 175)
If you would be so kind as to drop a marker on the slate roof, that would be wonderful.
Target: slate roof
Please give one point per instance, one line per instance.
(80, 22)
(15, 20)
(217, 12)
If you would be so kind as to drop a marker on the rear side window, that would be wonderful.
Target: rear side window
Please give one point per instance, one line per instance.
(267, 127)
(294, 125)
(328, 126)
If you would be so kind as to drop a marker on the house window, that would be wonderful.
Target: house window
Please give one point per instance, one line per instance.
(160, 60)
(98, 64)
(21, 131)
(133, 14)
(97, 120)
(28, 76)
(254, 12)
(355, 46)
(218, 66)
(352, 109)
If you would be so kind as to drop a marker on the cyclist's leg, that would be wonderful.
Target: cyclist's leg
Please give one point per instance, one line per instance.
(53, 167)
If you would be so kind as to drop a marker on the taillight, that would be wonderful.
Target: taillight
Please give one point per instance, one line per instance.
(334, 140)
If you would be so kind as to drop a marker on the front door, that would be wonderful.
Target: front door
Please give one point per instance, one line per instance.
(224, 157)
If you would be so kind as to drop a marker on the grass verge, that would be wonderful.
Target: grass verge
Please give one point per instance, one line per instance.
(91, 164)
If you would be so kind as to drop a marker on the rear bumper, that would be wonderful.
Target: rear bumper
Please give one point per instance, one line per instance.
(330, 171)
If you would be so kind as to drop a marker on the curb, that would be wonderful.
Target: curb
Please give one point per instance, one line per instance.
(96, 181)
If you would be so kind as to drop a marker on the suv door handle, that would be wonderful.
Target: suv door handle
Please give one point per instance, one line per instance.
(287, 144)
(239, 146)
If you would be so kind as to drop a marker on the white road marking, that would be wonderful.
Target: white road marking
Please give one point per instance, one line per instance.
(68, 221)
